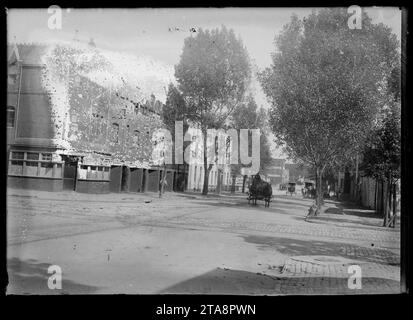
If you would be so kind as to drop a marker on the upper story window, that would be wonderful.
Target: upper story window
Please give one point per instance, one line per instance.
(11, 114)
(46, 156)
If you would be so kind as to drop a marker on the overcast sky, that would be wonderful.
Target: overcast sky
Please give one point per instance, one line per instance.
(153, 32)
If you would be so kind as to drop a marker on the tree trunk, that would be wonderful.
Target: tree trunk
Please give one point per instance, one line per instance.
(243, 183)
(394, 206)
(390, 204)
(206, 180)
(207, 168)
(375, 194)
(319, 189)
(386, 204)
(382, 198)
(219, 182)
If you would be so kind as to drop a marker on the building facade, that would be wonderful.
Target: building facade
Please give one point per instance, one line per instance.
(83, 119)
(277, 172)
(220, 174)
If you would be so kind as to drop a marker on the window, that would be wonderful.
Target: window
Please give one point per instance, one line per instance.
(47, 156)
(11, 113)
(30, 169)
(92, 173)
(16, 167)
(57, 173)
(17, 155)
(32, 156)
(46, 169)
(87, 172)
(34, 164)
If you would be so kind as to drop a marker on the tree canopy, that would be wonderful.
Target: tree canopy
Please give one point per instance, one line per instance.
(326, 84)
(213, 75)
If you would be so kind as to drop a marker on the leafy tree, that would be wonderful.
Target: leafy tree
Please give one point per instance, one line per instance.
(213, 75)
(174, 109)
(382, 154)
(325, 85)
(248, 116)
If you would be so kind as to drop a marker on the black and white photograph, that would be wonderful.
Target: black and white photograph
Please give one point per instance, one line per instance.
(207, 151)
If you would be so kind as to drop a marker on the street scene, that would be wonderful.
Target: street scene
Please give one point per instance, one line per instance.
(172, 151)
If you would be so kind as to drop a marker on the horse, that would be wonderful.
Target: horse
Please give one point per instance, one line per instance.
(260, 190)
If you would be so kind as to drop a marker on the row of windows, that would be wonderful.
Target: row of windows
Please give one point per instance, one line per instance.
(34, 164)
(115, 137)
(35, 169)
(89, 172)
(25, 155)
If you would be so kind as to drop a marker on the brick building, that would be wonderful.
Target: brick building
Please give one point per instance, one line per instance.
(80, 118)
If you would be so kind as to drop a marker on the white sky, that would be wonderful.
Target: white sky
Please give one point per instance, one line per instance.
(146, 31)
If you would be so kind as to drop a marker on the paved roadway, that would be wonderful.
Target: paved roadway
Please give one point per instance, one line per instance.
(186, 243)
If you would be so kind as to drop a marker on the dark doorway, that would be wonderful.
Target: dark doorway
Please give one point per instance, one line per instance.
(70, 172)
(153, 180)
(135, 180)
(115, 178)
(144, 186)
(125, 179)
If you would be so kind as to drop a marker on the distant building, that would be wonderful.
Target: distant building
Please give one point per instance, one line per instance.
(277, 172)
(219, 174)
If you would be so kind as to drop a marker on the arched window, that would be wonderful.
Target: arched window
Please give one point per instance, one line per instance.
(11, 114)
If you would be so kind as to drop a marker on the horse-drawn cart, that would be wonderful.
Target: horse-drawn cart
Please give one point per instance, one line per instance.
(260, 190)
(291, 188)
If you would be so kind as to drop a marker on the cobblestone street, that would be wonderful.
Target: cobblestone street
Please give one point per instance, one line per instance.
(187, 243)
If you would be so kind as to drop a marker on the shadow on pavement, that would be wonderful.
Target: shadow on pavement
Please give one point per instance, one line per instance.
(351, 209)
(339, 221)
(244, 206)
(30, 277)
(227, 281)
(294, 247)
